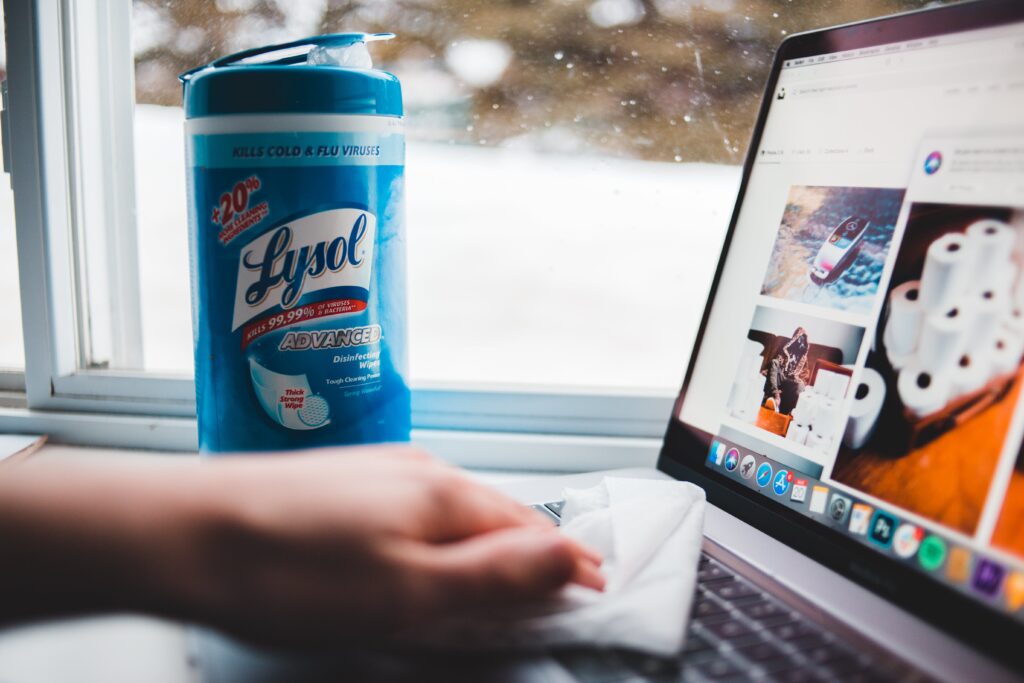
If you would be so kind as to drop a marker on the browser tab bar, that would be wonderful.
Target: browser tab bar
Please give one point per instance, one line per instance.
(983, 38)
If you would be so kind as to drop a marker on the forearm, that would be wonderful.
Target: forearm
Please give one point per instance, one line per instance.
(87, 537)
(313, 547)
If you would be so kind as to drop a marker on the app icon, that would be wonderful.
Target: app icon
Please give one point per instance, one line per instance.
(764, 474)
(883, 525)
(780, 484)
(732, 458)
(959, 566)
(1015, 591)
(716, 453)
(907, 540)
(747, 466)
(819, 496)
(988, 576)
(932, 553)
(799, 491)
(933, 162)
(860, 515)
(838, 508)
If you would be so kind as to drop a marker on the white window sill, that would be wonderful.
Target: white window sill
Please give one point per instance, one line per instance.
(470, 449)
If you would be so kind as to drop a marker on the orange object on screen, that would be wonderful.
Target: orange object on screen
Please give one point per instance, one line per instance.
(773, 422)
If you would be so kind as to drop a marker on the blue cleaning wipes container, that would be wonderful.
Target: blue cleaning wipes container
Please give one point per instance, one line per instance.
(295, 171)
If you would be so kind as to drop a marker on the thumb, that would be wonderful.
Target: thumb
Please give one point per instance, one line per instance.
(502, 567)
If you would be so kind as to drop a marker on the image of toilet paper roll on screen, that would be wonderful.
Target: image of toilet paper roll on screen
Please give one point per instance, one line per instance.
(793, 377)
(953, 336)
(934, 406)
(818, 416)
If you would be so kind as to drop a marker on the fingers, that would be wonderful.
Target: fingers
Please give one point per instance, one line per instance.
(460, 507)
(506, 567)
(461, 502)
(589, 576)
(586, 552)
(588, 566)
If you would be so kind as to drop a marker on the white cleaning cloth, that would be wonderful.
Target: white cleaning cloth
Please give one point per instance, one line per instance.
(649, 533)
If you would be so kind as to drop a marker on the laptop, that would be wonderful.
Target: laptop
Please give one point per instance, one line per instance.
(852, 404)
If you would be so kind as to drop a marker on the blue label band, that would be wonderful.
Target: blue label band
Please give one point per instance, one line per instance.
(298, 253)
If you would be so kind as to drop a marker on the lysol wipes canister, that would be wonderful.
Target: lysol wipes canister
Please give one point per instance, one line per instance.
(295, 168)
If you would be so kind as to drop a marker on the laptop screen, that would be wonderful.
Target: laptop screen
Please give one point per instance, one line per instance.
(861, 362)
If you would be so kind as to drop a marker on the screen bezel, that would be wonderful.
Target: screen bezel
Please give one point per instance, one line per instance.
(685, 447)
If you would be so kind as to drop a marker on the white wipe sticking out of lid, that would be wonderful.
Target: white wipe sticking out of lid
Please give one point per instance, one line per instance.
(353, 56)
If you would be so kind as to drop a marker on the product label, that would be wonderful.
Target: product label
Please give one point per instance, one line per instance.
(299, 284)
(329, 250)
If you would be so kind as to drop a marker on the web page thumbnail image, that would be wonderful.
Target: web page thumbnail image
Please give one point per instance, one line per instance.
(935, 404)
(832, 245)
(793, 376)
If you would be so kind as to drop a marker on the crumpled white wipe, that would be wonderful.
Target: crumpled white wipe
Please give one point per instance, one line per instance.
(649, 532)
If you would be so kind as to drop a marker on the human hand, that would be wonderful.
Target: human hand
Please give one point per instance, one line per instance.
(310, 548)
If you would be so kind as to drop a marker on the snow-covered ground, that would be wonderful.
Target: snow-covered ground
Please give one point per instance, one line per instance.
(523, 268)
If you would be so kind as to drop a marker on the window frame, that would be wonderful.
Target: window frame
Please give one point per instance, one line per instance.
(158, 411)
(12, 381)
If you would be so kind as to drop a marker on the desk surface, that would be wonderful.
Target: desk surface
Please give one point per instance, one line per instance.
(111, 649)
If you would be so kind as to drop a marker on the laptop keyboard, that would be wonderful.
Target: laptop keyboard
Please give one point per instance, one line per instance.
(737, 632)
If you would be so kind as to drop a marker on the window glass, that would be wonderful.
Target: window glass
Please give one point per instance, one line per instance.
(571, 168)
(12, 351)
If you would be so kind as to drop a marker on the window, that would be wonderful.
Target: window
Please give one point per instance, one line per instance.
(571, 170)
